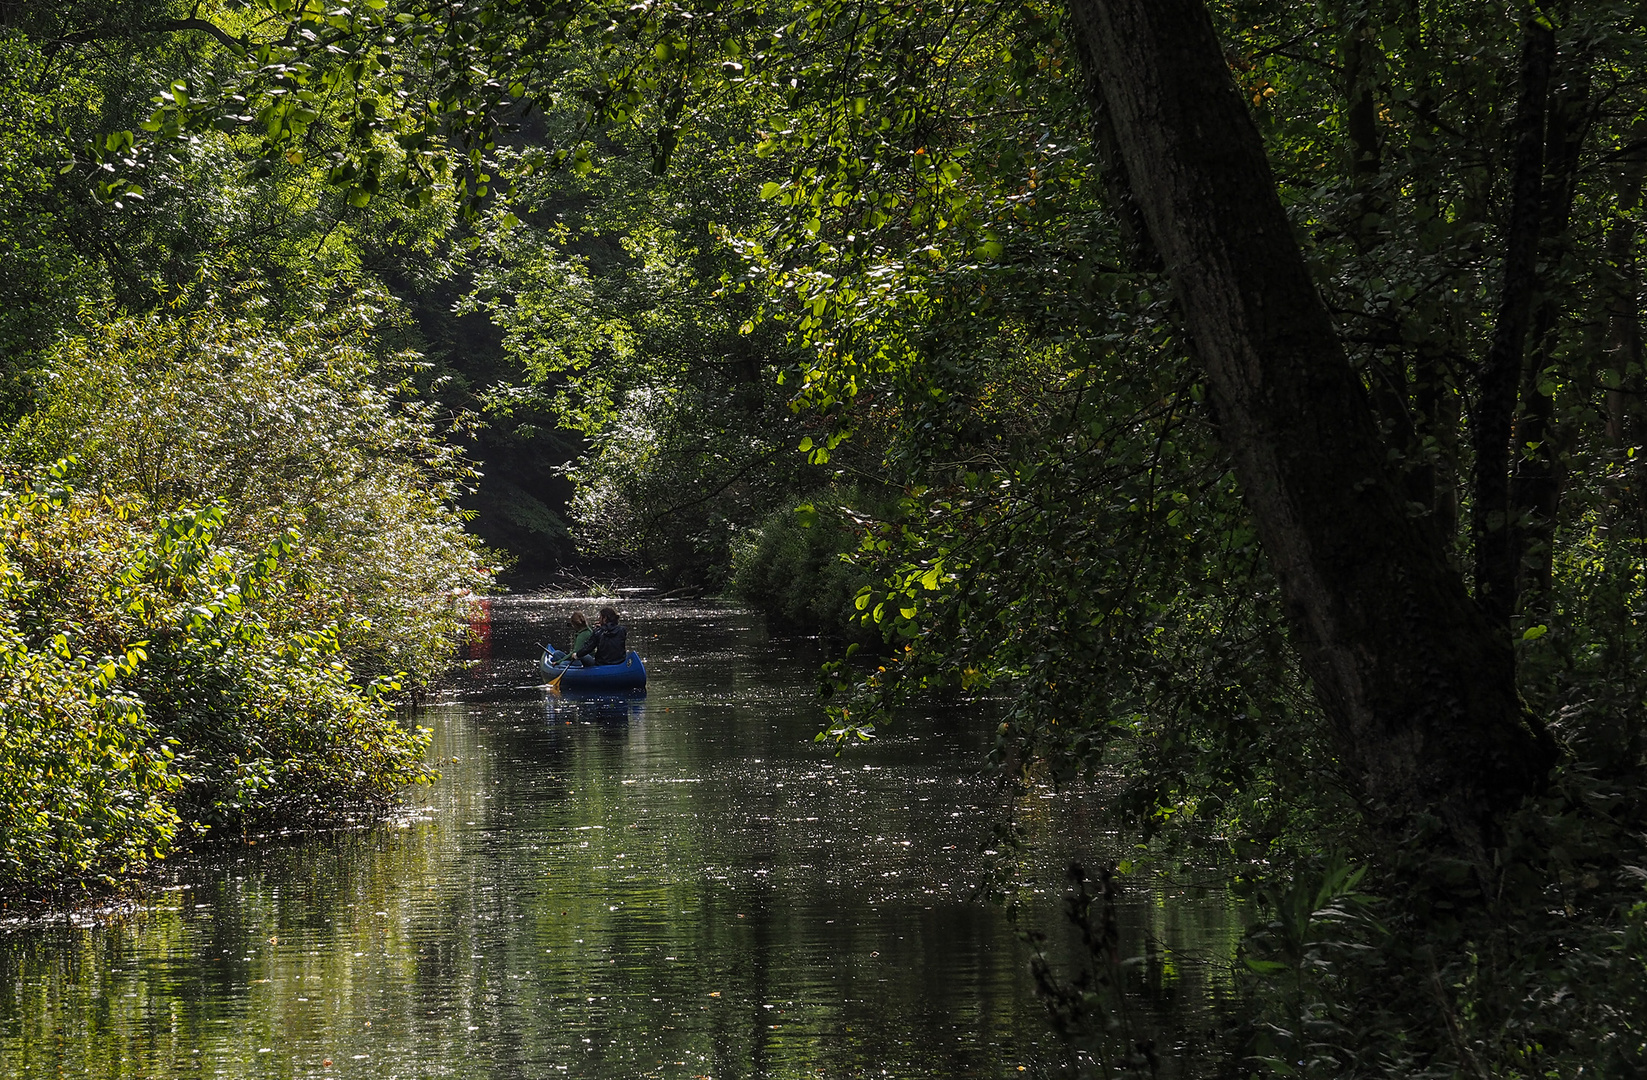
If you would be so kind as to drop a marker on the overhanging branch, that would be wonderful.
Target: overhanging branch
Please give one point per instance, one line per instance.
(163, 26)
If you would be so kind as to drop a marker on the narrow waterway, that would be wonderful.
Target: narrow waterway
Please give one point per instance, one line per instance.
(677, 885)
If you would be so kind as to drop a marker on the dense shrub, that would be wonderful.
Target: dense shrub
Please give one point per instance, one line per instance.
(155, 682)
(284, 426)
(793, 568)
(86, 785)
(206, 630)
(671, 480)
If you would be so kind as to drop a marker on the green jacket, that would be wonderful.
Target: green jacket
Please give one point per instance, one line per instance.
(581, 639)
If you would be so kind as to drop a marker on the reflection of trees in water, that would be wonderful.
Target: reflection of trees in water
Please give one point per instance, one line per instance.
(566, 707)
(673, 879)
(271, 947)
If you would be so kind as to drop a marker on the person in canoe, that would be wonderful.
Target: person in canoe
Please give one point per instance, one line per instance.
(610, 643)
(583, 636)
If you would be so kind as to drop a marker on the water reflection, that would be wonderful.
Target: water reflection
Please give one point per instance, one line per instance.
(572, 707)
(677, 884)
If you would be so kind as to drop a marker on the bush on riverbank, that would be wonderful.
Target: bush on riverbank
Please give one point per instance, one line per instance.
(158, 682)
(87, 786)
(793, 569)
(205, 616)
(285, 425)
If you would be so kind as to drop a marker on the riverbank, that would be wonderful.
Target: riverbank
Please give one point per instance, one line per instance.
(159, 684)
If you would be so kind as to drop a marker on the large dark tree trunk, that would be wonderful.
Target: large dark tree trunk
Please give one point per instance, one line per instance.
(1535, 482)
(1417, 685)
(1493, 524)
(1392, 391)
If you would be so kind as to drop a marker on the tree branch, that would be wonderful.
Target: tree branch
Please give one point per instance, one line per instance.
(163, 26)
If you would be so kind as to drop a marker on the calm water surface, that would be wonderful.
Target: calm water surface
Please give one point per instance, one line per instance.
(676, 885)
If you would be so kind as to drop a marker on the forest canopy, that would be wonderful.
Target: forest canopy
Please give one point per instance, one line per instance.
(1247, 396)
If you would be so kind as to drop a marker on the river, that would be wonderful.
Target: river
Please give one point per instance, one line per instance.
(676, 885)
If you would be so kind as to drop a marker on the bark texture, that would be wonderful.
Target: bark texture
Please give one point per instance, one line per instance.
(1141, 255)
(1535, 481)
(1417, 685)
(1493, 522)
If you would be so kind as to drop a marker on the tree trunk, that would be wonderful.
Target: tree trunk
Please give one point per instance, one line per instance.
(1621, 351)
(1399, 418)
(1493, 519)
(1535, 482)
(1361, 109)
(1118, 186)
(1616, 358)
(1436, 408)
(1417, 686)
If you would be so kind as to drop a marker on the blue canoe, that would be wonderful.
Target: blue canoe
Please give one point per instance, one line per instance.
(629, 675)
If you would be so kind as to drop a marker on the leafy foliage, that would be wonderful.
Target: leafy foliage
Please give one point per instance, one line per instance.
(794, 566)
(263, 540)
(611, 287)
(286, 428)
(158, 686)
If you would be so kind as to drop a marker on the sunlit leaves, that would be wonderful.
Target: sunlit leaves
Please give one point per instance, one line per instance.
(156, 681)
(287, 427)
